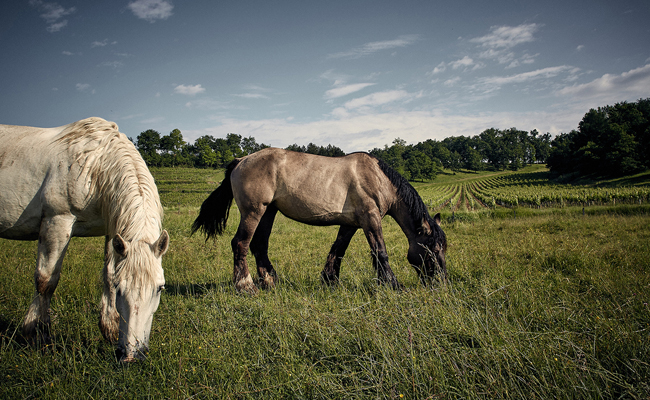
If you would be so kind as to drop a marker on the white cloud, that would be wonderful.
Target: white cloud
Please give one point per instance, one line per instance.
(252, 96)
(506, 37)
(189, 90)
(373, 47)
(452, 81)
(346, 90)
(498, 43)
(610, 89)
(362, 132)
(82, 87)
(544, 73)
(377, 99)
(102, 43)
(112, 64)
(151, 10)
(57, 26)
(462, 63)
(439, 69)
(53, 13)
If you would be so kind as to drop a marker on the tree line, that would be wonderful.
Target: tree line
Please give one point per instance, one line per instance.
(492, 149)
(610, 141)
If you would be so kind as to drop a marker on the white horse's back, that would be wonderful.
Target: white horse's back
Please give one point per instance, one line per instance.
(41, 175)
(24, 166)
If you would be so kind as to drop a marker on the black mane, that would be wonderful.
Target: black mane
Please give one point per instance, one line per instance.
(406, 192)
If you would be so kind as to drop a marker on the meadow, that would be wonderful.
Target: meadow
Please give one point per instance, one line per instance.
(543, 301)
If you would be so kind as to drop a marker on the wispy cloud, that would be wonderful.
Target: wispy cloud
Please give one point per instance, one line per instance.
(151, 10)
(440, 68)
(611, 88)
(82, 87)
(377, 99)
(346, 90)
(112, 64)
(252, 96)
(363, 131)
(53, 14)
(498, 43)
(189, 90)
(102, 43)
(254, 92)
(505, 37)
(373, 47)
(544, 73)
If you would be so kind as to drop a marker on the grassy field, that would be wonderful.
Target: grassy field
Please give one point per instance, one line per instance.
(551, 304)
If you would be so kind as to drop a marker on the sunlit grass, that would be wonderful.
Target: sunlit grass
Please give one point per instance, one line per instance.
(547, 305)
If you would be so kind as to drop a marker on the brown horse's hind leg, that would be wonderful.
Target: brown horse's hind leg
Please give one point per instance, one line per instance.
(260, 249)
(332, 268)
(240, 245)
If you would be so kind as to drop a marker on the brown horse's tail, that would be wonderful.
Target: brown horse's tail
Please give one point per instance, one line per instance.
(216, 208)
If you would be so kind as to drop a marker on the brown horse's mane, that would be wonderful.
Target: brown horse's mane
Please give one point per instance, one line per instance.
(410, 197)
(405, 191)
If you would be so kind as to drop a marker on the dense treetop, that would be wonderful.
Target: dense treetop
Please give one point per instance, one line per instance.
(610, 140)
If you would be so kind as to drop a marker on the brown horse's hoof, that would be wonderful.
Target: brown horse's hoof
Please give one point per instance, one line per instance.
(329, 280)
(268, 282)
(246, 285)
(37, 333)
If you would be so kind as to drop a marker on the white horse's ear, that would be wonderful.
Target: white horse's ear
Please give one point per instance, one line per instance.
(161, 245)
(120, 246)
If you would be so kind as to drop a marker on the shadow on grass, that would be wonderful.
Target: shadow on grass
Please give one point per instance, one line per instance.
(11, 331)
(196, 289)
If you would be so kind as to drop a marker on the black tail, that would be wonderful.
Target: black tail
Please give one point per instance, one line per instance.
(216, 208)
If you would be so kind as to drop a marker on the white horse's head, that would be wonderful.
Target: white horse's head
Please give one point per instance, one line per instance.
(138, 281)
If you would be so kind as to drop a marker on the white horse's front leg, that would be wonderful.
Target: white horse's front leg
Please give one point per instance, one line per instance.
(109, 318)
(53, 240)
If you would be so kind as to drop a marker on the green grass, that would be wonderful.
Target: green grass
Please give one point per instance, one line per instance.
(552, 304)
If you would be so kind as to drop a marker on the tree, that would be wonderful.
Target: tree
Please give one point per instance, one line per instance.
(148, 146)
(610, 140)
(249, 145)
(172, 147)
(418, 166)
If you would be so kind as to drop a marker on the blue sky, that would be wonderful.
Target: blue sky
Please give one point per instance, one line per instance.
(355, 74)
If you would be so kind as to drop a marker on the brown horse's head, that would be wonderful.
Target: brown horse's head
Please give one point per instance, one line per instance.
(427, 252)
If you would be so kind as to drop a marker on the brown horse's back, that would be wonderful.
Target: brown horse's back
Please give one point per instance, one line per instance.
(312, 189)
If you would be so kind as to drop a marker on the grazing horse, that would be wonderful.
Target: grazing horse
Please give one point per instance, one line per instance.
(354, 191)
(86, 179)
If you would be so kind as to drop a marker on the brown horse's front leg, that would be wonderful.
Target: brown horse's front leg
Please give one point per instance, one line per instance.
(260, 249)
(332, 268)
(380, 258)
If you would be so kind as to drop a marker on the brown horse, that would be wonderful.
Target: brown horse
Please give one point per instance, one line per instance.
(354, 191)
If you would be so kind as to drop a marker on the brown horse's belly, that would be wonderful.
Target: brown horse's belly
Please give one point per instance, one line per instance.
(312, 214)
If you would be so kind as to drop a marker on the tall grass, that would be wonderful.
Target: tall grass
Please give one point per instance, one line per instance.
(548, 305)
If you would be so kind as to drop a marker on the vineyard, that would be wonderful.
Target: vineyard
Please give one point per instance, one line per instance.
(524, 189)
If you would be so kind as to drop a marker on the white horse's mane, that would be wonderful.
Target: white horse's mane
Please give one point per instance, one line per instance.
(119, 178)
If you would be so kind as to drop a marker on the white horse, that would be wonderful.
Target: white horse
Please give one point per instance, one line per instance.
(86, 179)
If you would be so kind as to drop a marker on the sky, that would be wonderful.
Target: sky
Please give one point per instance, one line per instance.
(354, 74)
